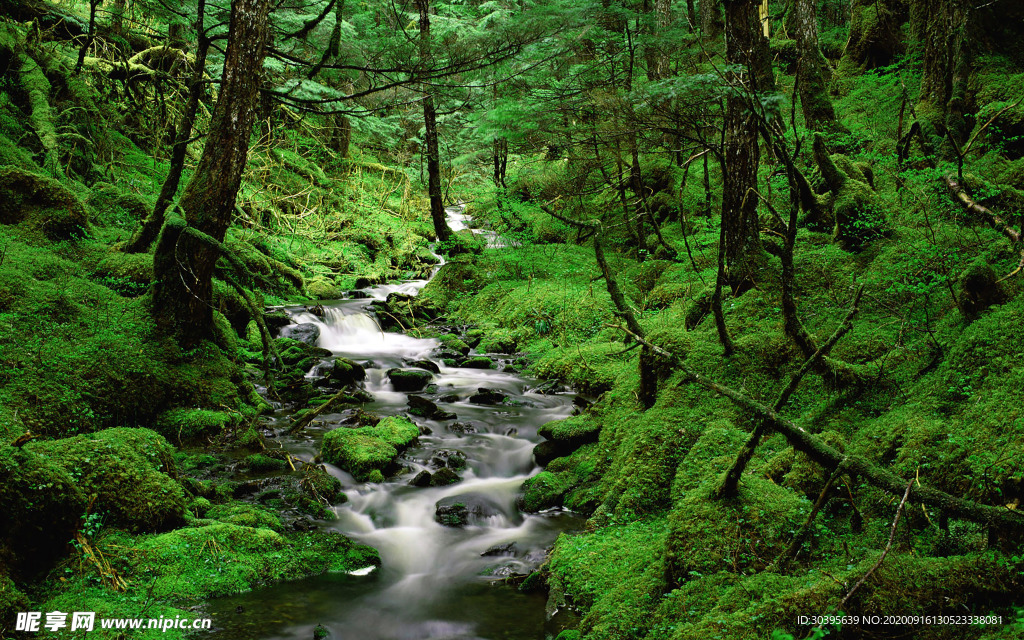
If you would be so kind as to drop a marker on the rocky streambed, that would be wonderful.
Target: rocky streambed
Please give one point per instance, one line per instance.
(430, 463)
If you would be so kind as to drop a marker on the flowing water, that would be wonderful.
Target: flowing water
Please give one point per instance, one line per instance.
(435, 581)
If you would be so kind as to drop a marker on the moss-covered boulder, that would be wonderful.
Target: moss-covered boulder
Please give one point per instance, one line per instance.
(320, 485)
(478, 362)
(363, 450)
(543, 491)
(42, 507)
(124, 473)
(41, 202)
(197, 563)
(452, 342)
(345, 372)
(186, 425)
(409, 379)
(245, 515)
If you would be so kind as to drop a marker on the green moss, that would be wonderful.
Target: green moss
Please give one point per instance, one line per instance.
(184, 425)
(42, 506)
(128, 274)
(43, 203)
(260, 463)
(321, 288)
(124, 472)
(196, 563)
(364, 450)
(245, 515)
(453, 343)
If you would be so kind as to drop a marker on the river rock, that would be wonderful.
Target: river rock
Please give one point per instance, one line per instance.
(463, 428)
(409, 379)
(355, 294)
(444, 477)
(421, 479)
(462, 509)
(276, 320)
(420, 406)
(545, 452)
(345, 372)
(449, 397)
(450, 458)
(306, 332)
(507, 549)
(424, 364)
(488, 396)
(478, 362)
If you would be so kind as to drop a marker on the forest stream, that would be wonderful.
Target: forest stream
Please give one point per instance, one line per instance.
(435, 581)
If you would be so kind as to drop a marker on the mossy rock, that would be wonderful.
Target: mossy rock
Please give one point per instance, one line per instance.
(409, 379)
(345, 372)
(452, 342)
(198, 563)
(129, 274)
(42, 202)
(498, 341)
(124, 471)
(364, 450)
(318, 484)
(979, 288)
(260, 463)
(543, 491)
(42, 506)
(245, 515)
(478, 362)
(321, 288)
(187, 425)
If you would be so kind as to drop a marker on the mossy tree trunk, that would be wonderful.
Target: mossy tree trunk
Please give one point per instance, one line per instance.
(183, 266)
(941, 27)
(430, 130)
(875, 38)
(813, 70)
(151, 226)
(746, 47)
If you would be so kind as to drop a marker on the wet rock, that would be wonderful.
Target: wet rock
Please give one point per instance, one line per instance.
(345, 372)
(420, 406)
(507, 549)
(463, 428)
(449, 458)
(488, 397)
(548, 387)
(545, 452)
(318, 484)
(449, 397)
(421, 479)
(358, 295)
(362, 395)
(478, 362)
(409, 379)
(581, 402)
(424, 364)
(362, 283)
(444, 477)
(465, 508)
(304, 524)
(276, 320)
(306, 332)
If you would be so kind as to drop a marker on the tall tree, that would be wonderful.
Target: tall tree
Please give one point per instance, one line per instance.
(430, 129)
(942, 27)
(188, 250)
(813, 70)
(747, 49)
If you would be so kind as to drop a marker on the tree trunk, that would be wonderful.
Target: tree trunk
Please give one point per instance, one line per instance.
(711, 17)
(813, 71)
(430, 126)
(151, 226)
(745, 45)
(183, 266)
(942, 29)
(875, 38)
